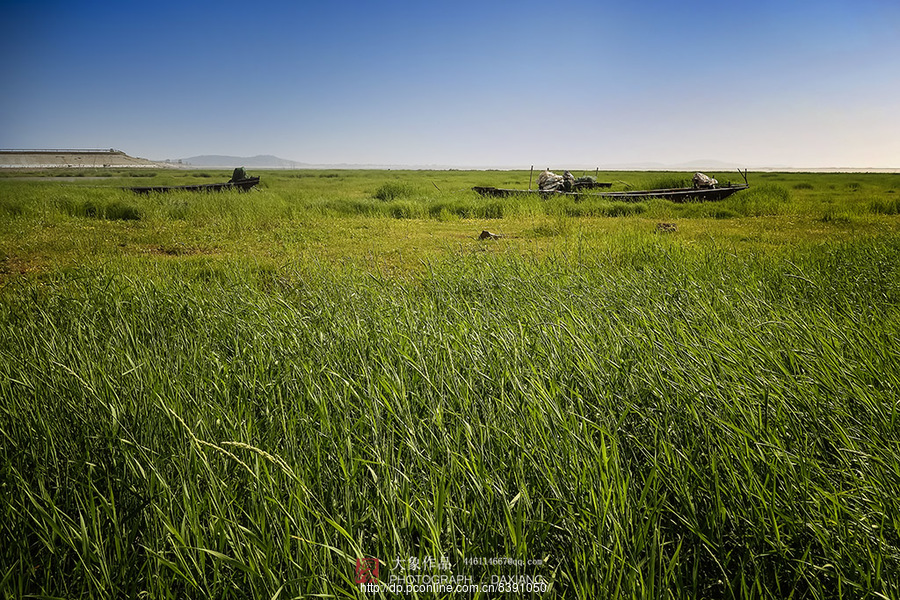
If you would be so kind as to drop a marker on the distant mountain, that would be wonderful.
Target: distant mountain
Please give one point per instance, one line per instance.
(262, 161)
(268, 161)
(694, 165)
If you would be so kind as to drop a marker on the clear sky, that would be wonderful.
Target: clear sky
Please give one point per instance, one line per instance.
(798, 83)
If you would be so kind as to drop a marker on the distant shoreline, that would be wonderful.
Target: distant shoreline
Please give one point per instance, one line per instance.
(111, 158)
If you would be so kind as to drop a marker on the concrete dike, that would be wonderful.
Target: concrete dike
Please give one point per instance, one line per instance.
(74, 158)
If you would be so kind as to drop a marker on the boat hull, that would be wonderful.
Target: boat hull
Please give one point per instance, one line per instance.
(242, 185)
(673, 194)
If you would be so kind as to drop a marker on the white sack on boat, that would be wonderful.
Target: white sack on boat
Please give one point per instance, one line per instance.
(704, 181)
(548, 181)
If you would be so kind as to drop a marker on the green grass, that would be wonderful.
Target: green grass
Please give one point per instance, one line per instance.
(238, 395)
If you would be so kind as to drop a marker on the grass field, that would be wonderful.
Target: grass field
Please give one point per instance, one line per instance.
(239, 395)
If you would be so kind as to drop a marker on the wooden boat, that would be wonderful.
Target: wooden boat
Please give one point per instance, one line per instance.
(241, 184)
(673, 194)
(712, 194)
(587, 185)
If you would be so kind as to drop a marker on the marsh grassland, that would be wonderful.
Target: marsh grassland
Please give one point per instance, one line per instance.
(239, 395)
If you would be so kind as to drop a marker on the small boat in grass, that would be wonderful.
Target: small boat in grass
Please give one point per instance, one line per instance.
(678, 194)
(672, 194)
(699, 193)
(239, 181)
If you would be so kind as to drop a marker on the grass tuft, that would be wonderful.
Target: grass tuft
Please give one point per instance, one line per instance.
(885, 206)
(394, 190)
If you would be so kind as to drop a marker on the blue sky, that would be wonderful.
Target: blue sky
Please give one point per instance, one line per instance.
(794, 83)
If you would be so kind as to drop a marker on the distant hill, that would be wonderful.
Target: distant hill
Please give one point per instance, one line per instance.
(268, 161)
(694, 165)
(262, 161)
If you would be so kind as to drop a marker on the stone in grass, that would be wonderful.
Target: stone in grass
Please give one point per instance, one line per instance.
(487, 235)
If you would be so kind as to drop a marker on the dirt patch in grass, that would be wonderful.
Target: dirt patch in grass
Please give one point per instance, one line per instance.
(11, 266)
(175, 250)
